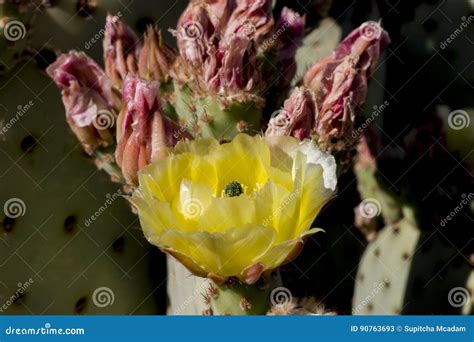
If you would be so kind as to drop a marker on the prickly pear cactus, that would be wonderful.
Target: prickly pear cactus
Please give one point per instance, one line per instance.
(185, 291)
(41, 30)
(439, 278)
(468, 308)
(384, 270)
(14, 29)
(208, 117)
(241, 299)
(70, 243)
(317, 44)
(64, 224)
(436, 277)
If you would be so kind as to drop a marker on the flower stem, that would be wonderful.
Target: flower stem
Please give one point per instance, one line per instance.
(241, 299)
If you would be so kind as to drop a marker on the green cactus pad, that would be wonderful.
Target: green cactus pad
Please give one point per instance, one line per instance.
(73, 260)
(210, 117)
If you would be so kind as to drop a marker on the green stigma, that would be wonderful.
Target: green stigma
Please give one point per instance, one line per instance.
(233, 189)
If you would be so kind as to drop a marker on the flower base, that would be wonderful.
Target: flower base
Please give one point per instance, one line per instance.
(236, 298)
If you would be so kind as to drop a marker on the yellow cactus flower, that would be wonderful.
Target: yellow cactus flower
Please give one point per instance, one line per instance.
(236, 209)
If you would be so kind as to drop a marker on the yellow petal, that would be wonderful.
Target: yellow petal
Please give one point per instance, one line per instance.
(313, 197)
(155, 217)
(183, 210)
(244, 160)
(166, 174)
(224, 254)
(225, 213)
(193, 200)
(199, 147)
(276, 207)
(285, 251)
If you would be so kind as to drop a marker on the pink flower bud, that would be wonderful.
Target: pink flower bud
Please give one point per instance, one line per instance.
(218, 44)
(156, 58)
(193, 34)
(218, 12)
(252, 16)
(144, 133)
(121, 50)
(232, 67)
(340, 83)
(237, 71)
(297, 116)
(86, 92)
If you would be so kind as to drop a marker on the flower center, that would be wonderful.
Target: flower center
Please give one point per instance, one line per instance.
(233, 189)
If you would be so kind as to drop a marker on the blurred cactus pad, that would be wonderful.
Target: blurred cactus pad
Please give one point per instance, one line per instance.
(69, 242)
